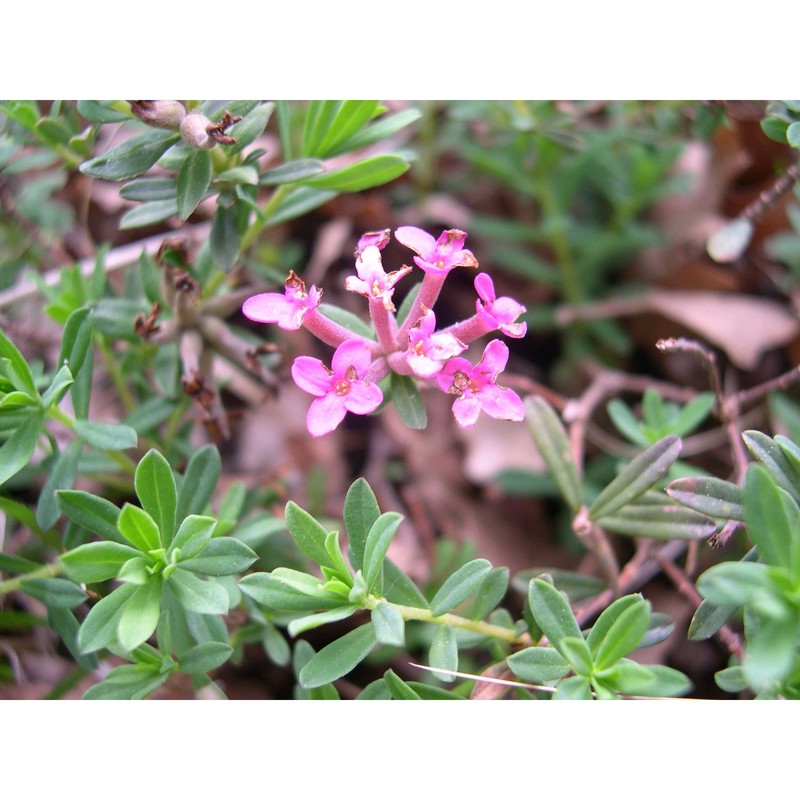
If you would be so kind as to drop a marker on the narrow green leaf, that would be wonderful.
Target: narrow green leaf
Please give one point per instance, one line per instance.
(491, 591)
(771, 517)
(443, 653)
(408, 401)
(711, 496)
(626, 423)
(199, 481)
(94, 513)
(379, 538)
(303, 624)
(771, 651)
(637, 477)
(193, 536)
(61, 476)
(351, 116)
(319, 117)
(247, 130)
(16, 367)
(105, 435)
(693, 413)
(58, 387)
(459, 586)
(551, 440)
(155, 488)
(99, 629)
(733, 583)
(769, 453)
(338, 658)
(198, 595)
(552, 612)
(389, 625)
(100, 111)
(297, 202)
(731, 679)
(576, 651)
(194, 179)
(399, 588)
(793, 135)
(148, 213)
(289, 590)
(225, 238)
(149, 189)
(382, 128)
(76, 341)
(133, 157)
(608, 618)
(291, 171)
(221, 556)
(360, 513)
(96, 561)
(308, 534)
(54, 592)
(398, 688)
(623, 635)
(139, 528)
(205, 657)
(539, 665)
(371, 172)
(17, 450)
(658, 522)
(575, 688)
(139, 617)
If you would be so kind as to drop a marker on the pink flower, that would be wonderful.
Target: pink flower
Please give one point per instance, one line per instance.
(440, 255)
(499, 313)
(372, 281)
(378, 239)
(339, 390)
(287, 309)
(477, 387)
(427, 351)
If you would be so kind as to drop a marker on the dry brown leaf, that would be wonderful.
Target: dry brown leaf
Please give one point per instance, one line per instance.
(744, 327)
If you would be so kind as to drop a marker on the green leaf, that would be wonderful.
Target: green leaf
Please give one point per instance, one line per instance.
(575, 688)
(382, 128)
(693, 413)
(793, 135)
(708, 619)
(303, 624)
(17, 450)
(105, 435)
(133, 157)
(346, 319)
(408, 401)
(149, 213)
(61, 476)
(139, 617)
(94, 513)
(338, 658)
(150, 189)
(552, 612)
(576, 651)
(100, 111)
(225, 238)
(319, 117)
(399, 588)
(194, 179)
(193, 536)
(291, 171)
(289, 590)
(247, 130)
(371, 172)
(360, 513)
(198, 595)
(551, 440)
(155, 488)
(199, 481)
(127, 682)
(622, 635)
(54, 592)
(731, 679)
(308, 534)
(771, 651)
(16, 367)
(775, 129)
(711, 496)
(626, 423)
(657, 522)
(379, 538)
(539, 665)
(491, 591)
(96, 561)
(772, 519)
(222, 556)
(205, 657)
(459, 586)
(139, 528)
(351, 116)
(297, 202)
(769, 453)
(637, 477)
(99, 629)
(389, 625)
(443, 652)
(733, 583)
(398, 688)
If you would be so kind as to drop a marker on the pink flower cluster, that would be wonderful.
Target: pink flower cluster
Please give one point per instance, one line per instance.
(412, 347)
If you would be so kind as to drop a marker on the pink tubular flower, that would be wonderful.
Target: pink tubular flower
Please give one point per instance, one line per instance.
(372, 281)
(499, 313)
(378, 239)
(477, 387)
(427, 351)
(287, 309)
(437, 256)
(339, 390)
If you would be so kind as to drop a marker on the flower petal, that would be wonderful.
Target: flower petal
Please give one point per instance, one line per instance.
(466, 410)
(311, 375)
(351, 353)
(325, 414)
(484, 286)
(363, 397)
(421, 242)
(270, 307)
(493, 361)
(502, 403)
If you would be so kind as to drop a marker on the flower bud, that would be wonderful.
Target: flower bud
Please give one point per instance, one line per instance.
(195, 131)
(159, 113)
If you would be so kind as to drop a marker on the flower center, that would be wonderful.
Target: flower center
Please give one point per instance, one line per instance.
(341, 387)
(461, 381)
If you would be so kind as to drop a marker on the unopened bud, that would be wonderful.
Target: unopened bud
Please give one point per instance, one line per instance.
(195, 131)
(159, 113)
